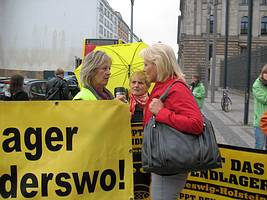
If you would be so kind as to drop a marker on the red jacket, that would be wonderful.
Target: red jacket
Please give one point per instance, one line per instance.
(180, 108)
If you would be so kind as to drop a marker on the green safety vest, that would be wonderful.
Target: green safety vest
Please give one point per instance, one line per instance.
(85, 94)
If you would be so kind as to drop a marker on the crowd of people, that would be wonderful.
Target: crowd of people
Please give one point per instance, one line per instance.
(182, 110)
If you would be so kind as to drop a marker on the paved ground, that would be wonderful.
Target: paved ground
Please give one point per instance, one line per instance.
(229, 128)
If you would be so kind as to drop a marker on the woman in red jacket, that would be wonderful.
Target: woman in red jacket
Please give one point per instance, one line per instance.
(179, 110)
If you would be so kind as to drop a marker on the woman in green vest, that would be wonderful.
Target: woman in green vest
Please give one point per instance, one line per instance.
(95, 73)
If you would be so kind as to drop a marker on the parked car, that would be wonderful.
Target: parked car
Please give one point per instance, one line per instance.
(4, 87)
(36, 89)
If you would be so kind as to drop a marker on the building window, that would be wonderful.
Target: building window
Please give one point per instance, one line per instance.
(244, 2)
(264, 25)
(244, 25)
(101, 29)
(263, 2)
(101, 18)
(210, 51)
(211, 24)
(101, 7)
(243, 49)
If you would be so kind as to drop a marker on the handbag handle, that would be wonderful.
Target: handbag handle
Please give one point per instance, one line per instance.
(165, 93)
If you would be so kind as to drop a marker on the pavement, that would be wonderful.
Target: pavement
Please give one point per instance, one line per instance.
(229, 127)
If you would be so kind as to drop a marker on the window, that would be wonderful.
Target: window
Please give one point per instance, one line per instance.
(244, 25)
(264, 25)
(101, 18)
(243, 49)
(210, 51)
(101, 29)
(211, 23)
(244, 2)
(101, 7)
(263, 2)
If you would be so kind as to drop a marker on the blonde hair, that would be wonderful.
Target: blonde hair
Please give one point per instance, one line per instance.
(263, 70)
(91, 62)
(164, 58)
(141, 75)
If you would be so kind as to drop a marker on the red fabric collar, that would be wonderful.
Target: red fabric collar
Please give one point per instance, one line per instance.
(138, 100)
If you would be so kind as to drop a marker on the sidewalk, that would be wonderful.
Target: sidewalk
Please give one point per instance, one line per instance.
(229, 128)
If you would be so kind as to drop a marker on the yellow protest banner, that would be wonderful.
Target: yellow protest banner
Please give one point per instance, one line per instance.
(243, 176)
(141, 179)
(66, 149)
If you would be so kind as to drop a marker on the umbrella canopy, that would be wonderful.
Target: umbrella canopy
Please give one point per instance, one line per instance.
(125, 61)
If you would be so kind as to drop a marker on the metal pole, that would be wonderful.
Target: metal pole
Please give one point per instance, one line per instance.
(226, 43)
(249, 39)
(213, 71)
(207, 50)
(132, 4)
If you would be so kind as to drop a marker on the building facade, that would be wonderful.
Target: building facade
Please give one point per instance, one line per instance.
(196, 20)
(40, 35)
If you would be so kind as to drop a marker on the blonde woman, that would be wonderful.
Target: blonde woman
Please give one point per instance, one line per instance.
(179, 110)
(95, 74)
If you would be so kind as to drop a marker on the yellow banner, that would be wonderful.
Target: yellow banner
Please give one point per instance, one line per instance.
(243, 176)
(70, 149)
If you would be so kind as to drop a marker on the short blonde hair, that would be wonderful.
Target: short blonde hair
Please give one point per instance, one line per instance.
(91, 62)
(164, 58)
(141, 75)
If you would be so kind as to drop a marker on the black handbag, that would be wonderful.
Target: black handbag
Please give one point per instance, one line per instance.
(168, 151)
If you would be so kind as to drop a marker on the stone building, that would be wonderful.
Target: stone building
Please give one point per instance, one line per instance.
(192, 32)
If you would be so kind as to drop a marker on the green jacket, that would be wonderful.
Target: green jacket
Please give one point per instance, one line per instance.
(85, 94)
(260, 100)
(199, 94)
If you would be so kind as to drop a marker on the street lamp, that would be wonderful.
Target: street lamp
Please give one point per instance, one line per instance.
(132, 4)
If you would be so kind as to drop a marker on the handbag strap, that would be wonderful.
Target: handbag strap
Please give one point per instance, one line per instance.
(165, 93)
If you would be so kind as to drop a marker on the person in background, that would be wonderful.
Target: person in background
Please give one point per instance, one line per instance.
(179, 110)
(57, 88)
(138, 98)
(138, 95)
(94, 75)
(198, 90)
(16, 89)
(259, 90)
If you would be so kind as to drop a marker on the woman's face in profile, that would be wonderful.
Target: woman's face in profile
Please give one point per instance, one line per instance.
(150, 71)
(102, 75)
(264, 76)
(138, 86)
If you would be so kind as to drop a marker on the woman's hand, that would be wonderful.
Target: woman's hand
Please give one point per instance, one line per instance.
(121, 98)
(155, 106)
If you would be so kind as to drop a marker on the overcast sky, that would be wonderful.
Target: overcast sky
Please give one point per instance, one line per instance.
(153, 20)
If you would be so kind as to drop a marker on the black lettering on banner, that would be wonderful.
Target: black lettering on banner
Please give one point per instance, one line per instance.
(4, 179)
(24, 185)
(246, 166)
(187, 196)
(63, 184)
(259, 168)
(70, 132)
(33, 140)
(45, 179)
(85, 179)
(49, 138)
(37, 145)
(103, 182)
(15, 139)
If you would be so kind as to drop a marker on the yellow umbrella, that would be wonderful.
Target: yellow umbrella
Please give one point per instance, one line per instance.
(125, 61)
